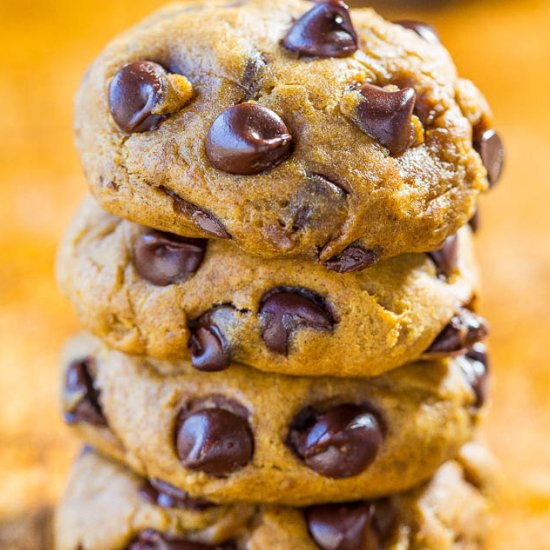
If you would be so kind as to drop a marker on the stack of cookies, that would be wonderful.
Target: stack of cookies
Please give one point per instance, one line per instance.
(278, 285)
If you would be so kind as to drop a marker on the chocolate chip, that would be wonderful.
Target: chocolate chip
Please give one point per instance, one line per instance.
(133, 95)
(354, 258)
(247, 139)
(338, 443)
(424, 30)
(474, 222)
(160, 493)
(214, 441)
(285, 310)
(321, 182)
(476, 370)
(250, 81)
(81, 396)
(210, 350)
(325, 30)
(201, 218)
(463, 331)
(164, 259)
(491, 149)
(344, 526)
(153, 540)
(386, 116)
(446, 258)
(316, 199)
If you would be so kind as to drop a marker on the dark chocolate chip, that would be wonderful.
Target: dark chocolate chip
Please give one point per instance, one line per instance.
(165, 495)
(344, 526)
(476, 370)
(210, 350)
(133, 94)
(201, 218)
(325, 30)
(153, 540)
(302, 217)
(214, 441)
(338, 443)
(354, 258)
(386, 116)
(81, 396)
(491, 149)
(463, 331)
(164, 258)
(446, 258)
(475, 222)
(247, 139)
(424, 30)
(316, 199)
(320, 181)
(284, 310)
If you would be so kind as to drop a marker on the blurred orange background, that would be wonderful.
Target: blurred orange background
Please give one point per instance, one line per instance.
(504, 46)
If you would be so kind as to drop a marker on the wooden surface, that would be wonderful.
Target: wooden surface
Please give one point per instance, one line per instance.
(46, 45)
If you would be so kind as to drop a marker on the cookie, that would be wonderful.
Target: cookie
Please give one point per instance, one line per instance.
(150, 293)
(290, 129)
(106, 507)
(245, 436)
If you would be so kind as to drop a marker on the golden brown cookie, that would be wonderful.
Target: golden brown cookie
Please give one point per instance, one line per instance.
(245, 436)
(106, 507)
(289, 128)
(149, 293)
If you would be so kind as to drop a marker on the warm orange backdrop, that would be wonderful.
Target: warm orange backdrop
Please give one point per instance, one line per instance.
(45, 47)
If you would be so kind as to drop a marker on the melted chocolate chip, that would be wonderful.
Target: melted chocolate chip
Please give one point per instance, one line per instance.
(446, 258)
(316, 199)
(344, 526)
(163, 258)
(287, 309)
(386, 116)
(338, 443)
(320, 182)
(424, 30)
(463, 331)
(214, 441)
(491, 150)
(250, 81)
(81, 396)
(201, 218)
(476, 370)
(325, 30)
(354, 258)
(160, 493)
(210, 350)
(247, 139)
(134, 92)
(153, 540)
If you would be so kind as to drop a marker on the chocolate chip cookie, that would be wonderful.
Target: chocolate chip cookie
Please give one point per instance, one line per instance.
(150, 293)
(245, 436)
(288, 128)
(106, 507)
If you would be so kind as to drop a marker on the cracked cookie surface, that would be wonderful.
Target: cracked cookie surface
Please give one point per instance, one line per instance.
(288, 144)
(106, 507)
(147, 293)
(246, 436)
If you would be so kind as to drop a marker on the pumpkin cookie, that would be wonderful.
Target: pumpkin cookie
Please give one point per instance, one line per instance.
(246, 436)
(150, 293)
(290, 129)
(106, 507)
